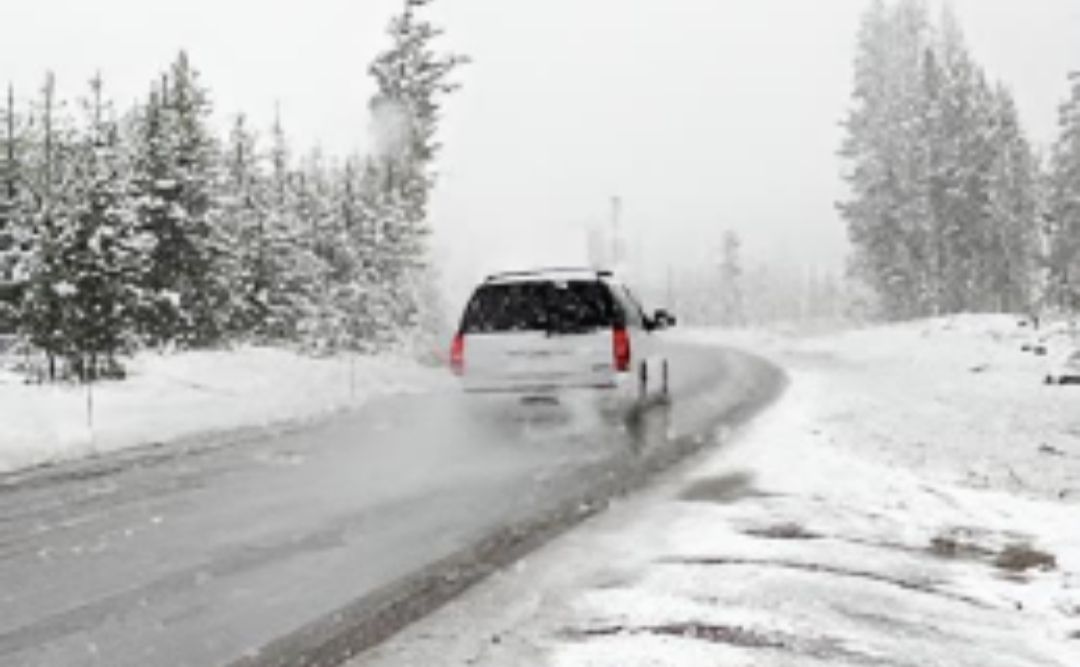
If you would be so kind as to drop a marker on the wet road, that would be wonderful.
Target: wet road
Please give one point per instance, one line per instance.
(205, 554)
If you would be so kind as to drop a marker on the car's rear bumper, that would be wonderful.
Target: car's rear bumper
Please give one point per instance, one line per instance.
(607, 394)
(599, 398)
(544, 384)
(537, 388)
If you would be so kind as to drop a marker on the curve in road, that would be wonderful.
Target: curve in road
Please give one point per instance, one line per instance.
(309, 546)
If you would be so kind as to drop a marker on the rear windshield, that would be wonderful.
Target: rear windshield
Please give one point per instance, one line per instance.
(574, 306)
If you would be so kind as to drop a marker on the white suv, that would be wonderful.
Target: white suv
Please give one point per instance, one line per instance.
(541, 333)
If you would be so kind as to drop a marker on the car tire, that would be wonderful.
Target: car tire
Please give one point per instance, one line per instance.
(643, 383)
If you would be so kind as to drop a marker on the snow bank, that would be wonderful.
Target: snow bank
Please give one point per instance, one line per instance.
(171, 396)
(954, 398)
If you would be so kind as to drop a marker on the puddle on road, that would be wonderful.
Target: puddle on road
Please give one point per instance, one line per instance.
(783, 531)
(820, 648)
(726, 489)
(1015, 555)
(1017, 558)
(955, 547)
(717, 634)
(926, 586)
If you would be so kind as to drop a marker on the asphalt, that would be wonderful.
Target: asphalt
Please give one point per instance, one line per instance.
(310, 544)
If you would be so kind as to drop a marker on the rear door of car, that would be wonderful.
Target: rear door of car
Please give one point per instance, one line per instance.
(636, 326)
(539, 334)
(644, 348)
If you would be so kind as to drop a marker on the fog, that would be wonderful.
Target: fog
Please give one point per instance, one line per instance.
(699, 115)
(232, 431)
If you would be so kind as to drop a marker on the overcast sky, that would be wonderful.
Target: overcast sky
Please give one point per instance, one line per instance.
(701, 114)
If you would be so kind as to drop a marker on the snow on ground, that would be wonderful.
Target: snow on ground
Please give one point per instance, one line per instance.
(172, 396)
(911, 501)
(955, 399)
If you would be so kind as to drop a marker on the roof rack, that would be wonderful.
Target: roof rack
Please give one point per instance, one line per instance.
(602, 273)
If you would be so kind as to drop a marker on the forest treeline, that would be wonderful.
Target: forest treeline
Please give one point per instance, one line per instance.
(951, 207)
(126, 228)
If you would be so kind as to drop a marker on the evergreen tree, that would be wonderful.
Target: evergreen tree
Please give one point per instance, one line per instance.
(396, 260)
(176, 175)
(100, 249)
(412, 78)
(887, 213)
(1043, 298)
(952, 84)
(156, 191)
(244, 213)
(201, 248)
(48, 180)
(362, 302)
(322, 259)
(1012, 214)
(943, 189)
(146, 229)
(14, 219)
(731, 279)
(292, 269)
(1064, 207)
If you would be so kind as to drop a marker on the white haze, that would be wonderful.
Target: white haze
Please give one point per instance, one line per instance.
(389, 128)
(700, 114)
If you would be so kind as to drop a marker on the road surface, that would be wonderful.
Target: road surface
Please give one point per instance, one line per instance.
(254, 549)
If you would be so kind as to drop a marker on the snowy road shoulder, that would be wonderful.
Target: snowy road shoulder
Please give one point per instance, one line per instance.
(821, 536)
(172, 396)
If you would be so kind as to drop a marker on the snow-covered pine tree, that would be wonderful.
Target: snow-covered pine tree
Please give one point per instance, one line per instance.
(356, 288)
(48, 179)
(14, 218)
(963, 142)
(324, 255)
(412, 78)
(1012, 213)
(244, 213)
(887, 211)
(732, 311)
(397, 254)
(1042, 297)
(291, 266)
(101, 250)
(334, 249)
(1064, 205)
(178, 183)
(940, 171)
(280, 320)
(201, 249)
(155, 187)
(349, 255)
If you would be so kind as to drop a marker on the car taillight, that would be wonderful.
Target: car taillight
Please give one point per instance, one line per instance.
(457, 354)
(620, 341)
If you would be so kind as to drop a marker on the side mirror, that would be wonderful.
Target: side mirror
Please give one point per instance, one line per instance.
(662, 319)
